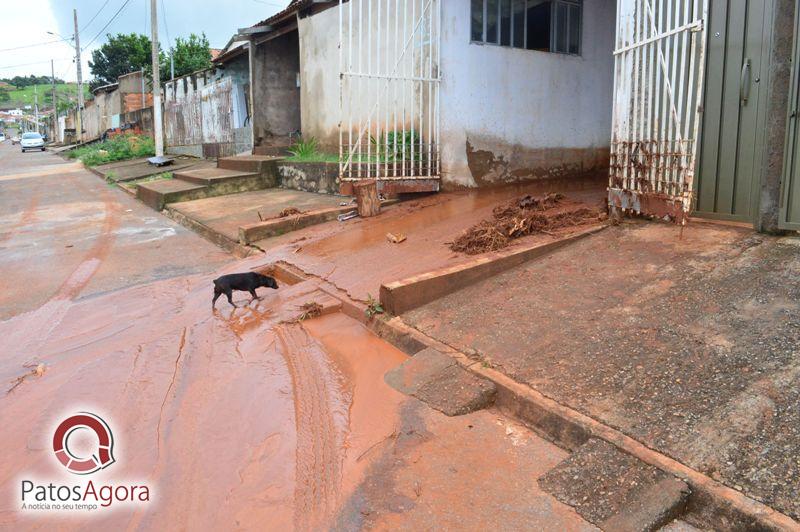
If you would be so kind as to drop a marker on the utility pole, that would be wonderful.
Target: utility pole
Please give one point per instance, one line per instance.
(55, 103)
(79, 119)
(36, 106)
(158, 126)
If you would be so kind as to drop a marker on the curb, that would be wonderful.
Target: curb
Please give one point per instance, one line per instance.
(711, 502)
(277, 226)
(252, 232)
(228, 244)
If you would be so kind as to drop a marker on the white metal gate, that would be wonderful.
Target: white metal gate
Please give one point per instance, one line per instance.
(389, 52)
(658, 88)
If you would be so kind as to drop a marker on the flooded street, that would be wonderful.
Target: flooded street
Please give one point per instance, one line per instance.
(249, 418)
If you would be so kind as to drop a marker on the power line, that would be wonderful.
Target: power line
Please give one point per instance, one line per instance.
(28, 64)
(28, 46)
(107, 24)
(166, 28)
(95, 16)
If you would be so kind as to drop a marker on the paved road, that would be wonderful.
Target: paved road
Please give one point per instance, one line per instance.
(64, 231)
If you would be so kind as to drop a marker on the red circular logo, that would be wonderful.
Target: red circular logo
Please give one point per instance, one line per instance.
(84, 465)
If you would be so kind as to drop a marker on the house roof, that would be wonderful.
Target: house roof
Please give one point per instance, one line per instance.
(106, 88)
(215, 53)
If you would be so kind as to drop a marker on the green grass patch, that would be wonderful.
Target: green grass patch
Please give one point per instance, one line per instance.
(158, 177)
(27, 95)
(119, 148)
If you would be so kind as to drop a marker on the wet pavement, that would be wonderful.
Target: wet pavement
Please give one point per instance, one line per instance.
(689, 344)
(357, 257)
(246, 418)
(225, 214)
(66, 233)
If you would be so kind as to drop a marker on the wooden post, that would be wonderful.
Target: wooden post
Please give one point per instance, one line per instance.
(366, 192)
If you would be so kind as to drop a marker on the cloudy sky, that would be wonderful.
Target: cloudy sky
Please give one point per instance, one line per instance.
(26, 22)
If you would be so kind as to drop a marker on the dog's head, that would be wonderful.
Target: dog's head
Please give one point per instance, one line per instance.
(266, 280)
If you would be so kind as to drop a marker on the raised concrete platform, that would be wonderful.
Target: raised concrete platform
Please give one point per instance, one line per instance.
(209, 176)
(230, 176)
(156, 194)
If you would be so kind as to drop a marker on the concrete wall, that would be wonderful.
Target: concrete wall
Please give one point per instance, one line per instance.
(206, 113)
(510, 114)
(319, 77)
(276, 64)
(506, 114)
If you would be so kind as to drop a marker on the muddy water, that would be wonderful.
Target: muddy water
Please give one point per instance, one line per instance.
(237, 418)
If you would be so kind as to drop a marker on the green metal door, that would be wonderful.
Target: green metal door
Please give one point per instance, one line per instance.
(728, 173)
(790, 194)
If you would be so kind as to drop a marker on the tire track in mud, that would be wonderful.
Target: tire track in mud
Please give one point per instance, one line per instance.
(53, 311)
(319, 457)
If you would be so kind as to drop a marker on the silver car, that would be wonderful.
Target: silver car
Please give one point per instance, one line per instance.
(31, 141)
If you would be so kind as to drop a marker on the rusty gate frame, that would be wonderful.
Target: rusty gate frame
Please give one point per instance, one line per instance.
(659, 69)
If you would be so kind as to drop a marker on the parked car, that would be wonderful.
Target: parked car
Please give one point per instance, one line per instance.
(2, 137)
(31, 141)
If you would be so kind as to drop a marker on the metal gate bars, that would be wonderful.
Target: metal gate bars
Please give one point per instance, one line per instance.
(658, 89)
(389, 53)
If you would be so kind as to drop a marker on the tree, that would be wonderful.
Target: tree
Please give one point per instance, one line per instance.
(122, 54)
(189, 55)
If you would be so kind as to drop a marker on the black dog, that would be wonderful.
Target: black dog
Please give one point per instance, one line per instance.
(244, 282)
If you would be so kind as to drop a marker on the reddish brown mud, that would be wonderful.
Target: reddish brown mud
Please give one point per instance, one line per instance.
(230, 408)
(356, 256)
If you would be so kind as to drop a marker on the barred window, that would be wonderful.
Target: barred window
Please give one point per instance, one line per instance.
(544, 25)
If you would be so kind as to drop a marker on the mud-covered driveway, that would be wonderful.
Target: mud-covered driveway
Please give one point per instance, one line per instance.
(688, 345)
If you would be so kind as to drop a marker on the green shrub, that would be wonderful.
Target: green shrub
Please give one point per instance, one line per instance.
(119, 148)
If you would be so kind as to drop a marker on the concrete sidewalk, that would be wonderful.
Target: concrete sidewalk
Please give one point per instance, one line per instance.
(687, 345)
(123, 171)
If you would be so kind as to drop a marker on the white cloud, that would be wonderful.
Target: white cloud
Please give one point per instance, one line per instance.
(27, 22)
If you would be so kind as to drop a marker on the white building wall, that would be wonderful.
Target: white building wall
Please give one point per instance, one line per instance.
(506, 114)
(509, 114)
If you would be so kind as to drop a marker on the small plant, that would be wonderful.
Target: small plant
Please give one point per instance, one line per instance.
(304, 148)
(373, 307)
(396, 146)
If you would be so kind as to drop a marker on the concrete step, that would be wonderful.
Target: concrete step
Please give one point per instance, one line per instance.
(247, 163)
(209, 176)
(273, 151)
(615, 490)
(391, 187)
(156, 194)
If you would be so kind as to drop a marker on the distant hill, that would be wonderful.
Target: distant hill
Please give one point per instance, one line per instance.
(19, 97)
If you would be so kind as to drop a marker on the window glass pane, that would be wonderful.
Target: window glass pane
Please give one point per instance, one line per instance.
(477, 20)
(505, 22)
(575, 29)
(519, 24)
(538, 18)
(562, 17)
(492, 7)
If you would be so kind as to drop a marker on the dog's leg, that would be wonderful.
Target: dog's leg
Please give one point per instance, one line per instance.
(229, 293)
(253, 294)
(217, 293)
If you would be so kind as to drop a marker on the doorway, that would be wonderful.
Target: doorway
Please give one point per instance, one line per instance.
(731, 143)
